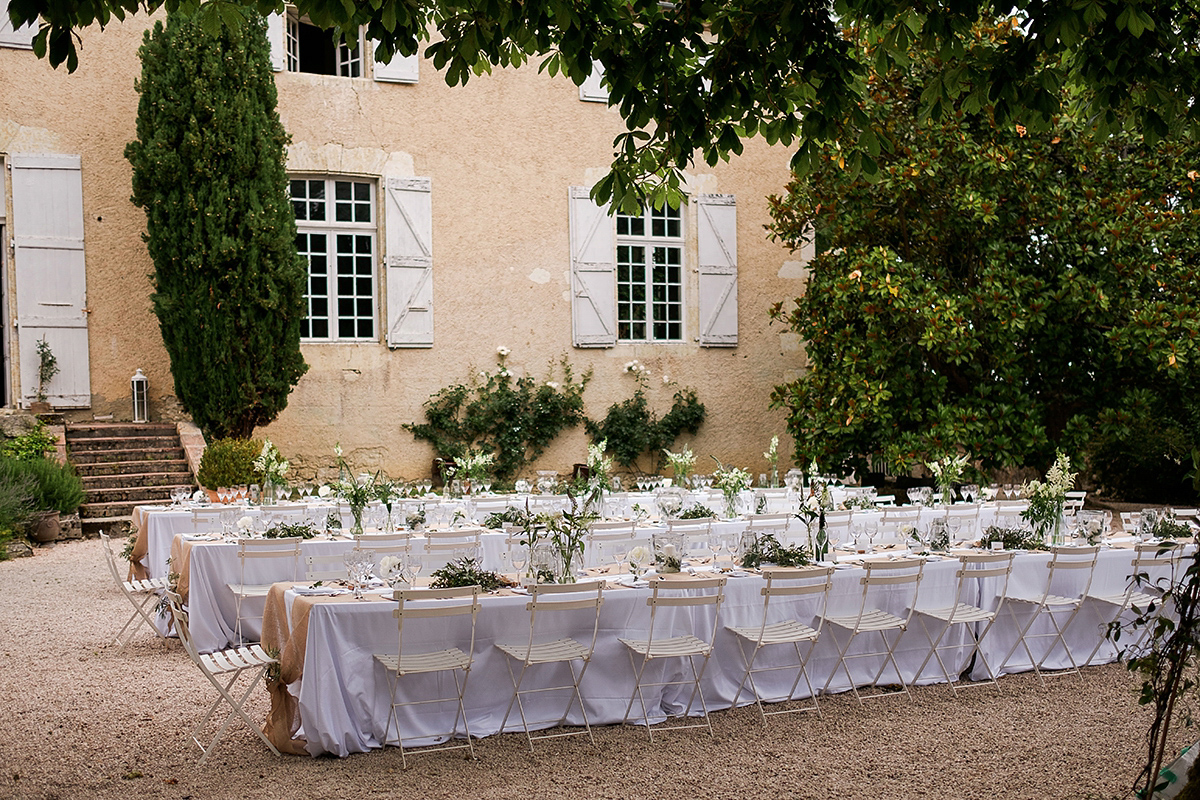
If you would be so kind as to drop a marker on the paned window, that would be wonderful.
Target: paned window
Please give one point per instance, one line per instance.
(311, 49)
(335, 232)
(650, 276)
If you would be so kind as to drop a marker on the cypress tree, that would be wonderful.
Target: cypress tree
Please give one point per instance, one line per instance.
(209, 170)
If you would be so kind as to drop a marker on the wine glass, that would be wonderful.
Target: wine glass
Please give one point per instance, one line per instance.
(715, 545)
(518, 556)
(731, 546)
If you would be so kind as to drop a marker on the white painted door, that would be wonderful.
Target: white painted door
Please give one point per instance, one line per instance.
(51, 281)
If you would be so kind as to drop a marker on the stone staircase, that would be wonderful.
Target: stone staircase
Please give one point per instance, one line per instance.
(123, 465)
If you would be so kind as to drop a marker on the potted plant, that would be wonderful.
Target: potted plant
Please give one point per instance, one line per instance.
(47, 369)
(228, 462)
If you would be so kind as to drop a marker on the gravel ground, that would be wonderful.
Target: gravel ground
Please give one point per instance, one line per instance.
(83, 719)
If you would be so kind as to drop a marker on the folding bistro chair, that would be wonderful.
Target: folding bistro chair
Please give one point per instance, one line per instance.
(1063, 560)
(541, 648)
(324, 567)
(696, 533)
(138, 593)
(784, 582)
(903, 573)
(436, 605)
(1156, 564)
(677, 642)
(384, 544)
(604, 539)
(281, 556)
(975, 568)
(963, 521)
(223, 669)
(1074, 502)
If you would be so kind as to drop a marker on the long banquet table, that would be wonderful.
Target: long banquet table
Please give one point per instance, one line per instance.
(334, 697)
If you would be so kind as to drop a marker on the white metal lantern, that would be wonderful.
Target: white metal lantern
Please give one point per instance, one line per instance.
(141, 397)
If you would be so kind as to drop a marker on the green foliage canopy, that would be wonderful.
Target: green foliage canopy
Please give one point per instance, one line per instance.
(692, 77)
(998, 289)
(632, 429)
(209, 170)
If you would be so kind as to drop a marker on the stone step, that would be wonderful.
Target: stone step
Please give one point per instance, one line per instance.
(121, 443)
(113, 509)
(100, 430)
(117, 527)
(130, 494)
(168, 480)
(142, 454)
(176, 467)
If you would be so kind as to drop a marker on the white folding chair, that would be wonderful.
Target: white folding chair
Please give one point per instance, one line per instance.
(385, 544)
(139, 593)
(1154, 568)
(208, 519)
(1074, 502)
(438, 548)
(903, 573)
(976, 621)
(553, 647)
(963, 521)
(1064, 561)
(774, 521)
(678, 641)
(696, 533)
(324, 567)
(605, 539)
(279, 556)
(784, 582)
(223, 669)
(884, 500)
(437, 605)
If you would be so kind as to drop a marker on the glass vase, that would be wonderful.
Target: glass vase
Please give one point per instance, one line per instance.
(357, 512)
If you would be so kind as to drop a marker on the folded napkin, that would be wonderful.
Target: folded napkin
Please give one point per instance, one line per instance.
(631, 582)
(319, 591)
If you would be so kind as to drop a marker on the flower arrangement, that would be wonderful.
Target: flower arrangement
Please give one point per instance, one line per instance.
(599, 465)
(475, 466)
(356, 492)
(639, 557)
(731, 481)
(1046, 498)
(681, 463)
(772, 457)
(947, 471)
(270, 464)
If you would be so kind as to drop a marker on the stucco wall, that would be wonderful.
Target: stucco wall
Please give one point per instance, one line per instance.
(502, 152)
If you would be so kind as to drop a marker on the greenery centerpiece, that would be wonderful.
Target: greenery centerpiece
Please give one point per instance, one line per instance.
(947, 471)
(599, 474)
(765, 549)
(1047, 498)
(357, 492)
(271, 468)
(473, 469)
(567, 531)
(772, 457)
(732, 481)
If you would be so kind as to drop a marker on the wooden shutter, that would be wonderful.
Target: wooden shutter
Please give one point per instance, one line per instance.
(409, 261)
(47, 227)
(21, 37)
(401, 69)
(276, 36)
(593, 273)
(592, 90)
(716, 244)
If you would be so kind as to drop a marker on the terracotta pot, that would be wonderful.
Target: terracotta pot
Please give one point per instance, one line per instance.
(45, 527)
(40, 407)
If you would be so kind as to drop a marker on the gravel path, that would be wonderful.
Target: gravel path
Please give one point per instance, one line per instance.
(83, 719)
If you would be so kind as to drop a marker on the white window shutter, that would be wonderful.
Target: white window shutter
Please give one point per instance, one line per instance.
(401, 69)
(592, 90)
(593, 272)
(21, 37)
(51, 279)
(275, 35)
(716, 244)
(408, 257)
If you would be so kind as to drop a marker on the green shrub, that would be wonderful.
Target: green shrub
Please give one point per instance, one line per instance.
(229, 462)
(56, 487)
(35, 444)
(631, 428)
(16, 501)
(1151, 465)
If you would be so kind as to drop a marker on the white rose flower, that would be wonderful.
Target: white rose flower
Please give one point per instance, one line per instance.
(502, 350)
(666, 378)
(640, 555)
(337, 449)
(245, 523)
(324, 491)
(552, 385)
(388, 564)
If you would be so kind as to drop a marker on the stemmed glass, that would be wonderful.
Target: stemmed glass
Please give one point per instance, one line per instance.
(359, 564)
(715, 545)
(518, 555)
(731, 546)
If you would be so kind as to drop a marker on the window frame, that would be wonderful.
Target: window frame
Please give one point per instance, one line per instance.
(331, 228)
(649, 241)
(346, 60)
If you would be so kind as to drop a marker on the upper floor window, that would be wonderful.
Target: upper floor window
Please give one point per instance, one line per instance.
(311, 49)
(335, 232)
(650, 276)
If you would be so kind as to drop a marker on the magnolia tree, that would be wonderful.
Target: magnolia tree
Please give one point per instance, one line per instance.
(997, 290)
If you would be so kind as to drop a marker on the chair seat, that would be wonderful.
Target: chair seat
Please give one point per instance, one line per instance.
(437, 661)
(1136, 599)
(249, 590)
(959, 613)
(566, 649)
(236, 658)
(1050, 600)
(784, 632)
(873, 620)
(676, 647)
(148, 585)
